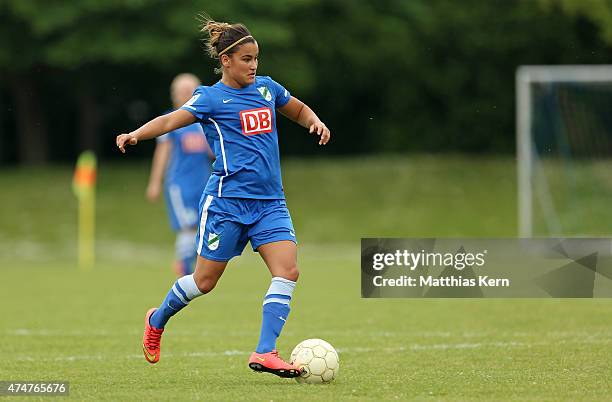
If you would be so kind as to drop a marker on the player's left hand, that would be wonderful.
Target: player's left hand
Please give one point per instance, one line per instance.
(319, 128)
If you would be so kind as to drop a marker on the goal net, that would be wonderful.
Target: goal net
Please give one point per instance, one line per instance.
(564, 150)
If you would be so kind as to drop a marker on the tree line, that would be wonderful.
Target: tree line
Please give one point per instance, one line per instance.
(386, 75)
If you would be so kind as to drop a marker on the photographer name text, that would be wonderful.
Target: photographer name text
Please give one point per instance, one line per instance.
(412, 261)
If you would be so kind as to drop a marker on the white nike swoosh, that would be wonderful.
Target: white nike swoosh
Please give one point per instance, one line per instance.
(282, 319)
(291, 233)
(227, 100)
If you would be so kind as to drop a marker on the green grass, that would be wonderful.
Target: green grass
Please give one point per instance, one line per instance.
(580, 195)
(58, 323)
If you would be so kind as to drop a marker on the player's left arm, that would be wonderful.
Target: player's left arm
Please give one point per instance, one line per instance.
(300, 113)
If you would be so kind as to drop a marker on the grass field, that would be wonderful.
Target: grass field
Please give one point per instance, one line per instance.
(86, 327)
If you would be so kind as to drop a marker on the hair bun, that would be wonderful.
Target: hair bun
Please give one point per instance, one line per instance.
(215, 30)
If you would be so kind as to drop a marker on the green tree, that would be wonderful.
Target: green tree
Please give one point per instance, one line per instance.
(598, 12)
(386, 75)
(82, 39)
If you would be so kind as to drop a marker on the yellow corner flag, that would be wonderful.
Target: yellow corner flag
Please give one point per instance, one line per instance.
(84, 186)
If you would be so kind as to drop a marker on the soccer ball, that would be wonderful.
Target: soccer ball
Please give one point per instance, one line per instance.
(318, 360)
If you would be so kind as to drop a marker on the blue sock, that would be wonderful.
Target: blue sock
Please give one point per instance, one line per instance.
(275, 312)
(183, 291)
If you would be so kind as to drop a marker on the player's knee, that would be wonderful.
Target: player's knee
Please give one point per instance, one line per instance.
(206, 285)
(292, 273)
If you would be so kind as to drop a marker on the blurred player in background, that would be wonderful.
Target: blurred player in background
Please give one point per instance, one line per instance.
(244, 199)
(181, 164)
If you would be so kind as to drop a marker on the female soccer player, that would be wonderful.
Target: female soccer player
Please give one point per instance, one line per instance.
(187, 156)
(243, 200)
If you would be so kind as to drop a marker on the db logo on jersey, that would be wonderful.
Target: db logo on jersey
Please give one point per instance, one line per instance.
(256, 121)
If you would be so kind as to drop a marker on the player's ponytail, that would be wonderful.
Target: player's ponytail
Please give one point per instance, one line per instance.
(224, 38)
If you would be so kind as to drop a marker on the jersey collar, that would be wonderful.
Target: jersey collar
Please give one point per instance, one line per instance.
(236, 90)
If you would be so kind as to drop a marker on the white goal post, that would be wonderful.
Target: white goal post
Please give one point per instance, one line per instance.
(526, 76)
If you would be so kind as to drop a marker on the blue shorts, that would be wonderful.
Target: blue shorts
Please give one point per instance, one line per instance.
(182, 206)
(227, 224)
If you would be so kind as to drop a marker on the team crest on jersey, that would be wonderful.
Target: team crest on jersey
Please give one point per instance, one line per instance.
(265, 92)
(213, 241)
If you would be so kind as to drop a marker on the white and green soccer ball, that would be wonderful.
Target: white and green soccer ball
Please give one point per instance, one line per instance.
(318, 361)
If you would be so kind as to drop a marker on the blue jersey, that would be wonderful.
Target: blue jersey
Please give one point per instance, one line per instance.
(240, 124)
(189, 165)
(186, 175)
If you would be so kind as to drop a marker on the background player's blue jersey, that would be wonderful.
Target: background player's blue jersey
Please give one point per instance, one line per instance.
(186, 175)
(240, 124)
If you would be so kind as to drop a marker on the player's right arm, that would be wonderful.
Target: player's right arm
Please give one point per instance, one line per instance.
(156, 127)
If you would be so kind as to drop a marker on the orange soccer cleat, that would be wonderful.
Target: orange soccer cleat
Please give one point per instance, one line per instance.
(151, 340)
(271, 363)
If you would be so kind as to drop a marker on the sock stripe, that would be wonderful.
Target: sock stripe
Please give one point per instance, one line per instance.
(277, 295)
(281, 286)
(178, 294)
(280, 279)
(187, 283)
(180, 289)
(275, 300)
